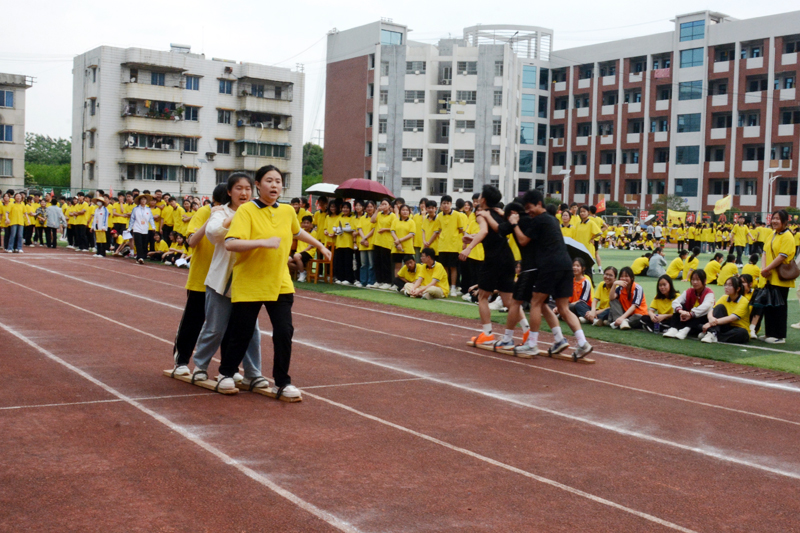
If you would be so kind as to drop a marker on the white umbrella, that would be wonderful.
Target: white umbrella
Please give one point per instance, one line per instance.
(322, 188)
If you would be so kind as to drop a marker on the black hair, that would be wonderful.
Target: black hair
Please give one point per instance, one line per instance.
(612, 269)
(718, 256)
(220, 194)
(423, 201)
(533, 197)
(475, 196)
(551, 209)
(263, 170)
(730, 259)
(747, 278)
(563, 207)
(430, 252)
(701, 275)
(234, 178)
(308, 218)
(593, 209)
(683, 253)
(513, 206)
(53, 201)
(782, 214)
(736, 284)
(629, 271)
(491, 195)
(648, 255)
(695, 252)
(399, 200)
(323, 199)
(346, 204)
(408, 257)
(431, 203)
(460, 204)
(754, 259)
(447, 198)
(671, 295)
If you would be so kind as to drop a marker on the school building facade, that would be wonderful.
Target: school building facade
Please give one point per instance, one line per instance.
(12, 130)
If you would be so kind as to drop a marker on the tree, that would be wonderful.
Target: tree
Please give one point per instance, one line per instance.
(44, 150)
(669, 201)
(312, 159)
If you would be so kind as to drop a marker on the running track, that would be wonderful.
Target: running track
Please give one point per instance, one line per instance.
(403, 427)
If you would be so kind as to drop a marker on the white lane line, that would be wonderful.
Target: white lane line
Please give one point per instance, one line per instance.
(68, 404)
(504, 398)
(504, 466)
(508, 360)
(228, 460)
(151, 280)
(361, 383)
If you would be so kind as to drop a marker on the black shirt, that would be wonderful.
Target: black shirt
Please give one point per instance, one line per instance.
(546, 250)
(495, 244)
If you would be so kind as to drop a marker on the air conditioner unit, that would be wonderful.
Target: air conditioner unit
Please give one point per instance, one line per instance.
(463, 130)
(194, 189)
(460, 160)
(244, 153)
(463, 102)
(416, 72)
(459, 190)
(416, 100)
(281, 127)
(445, 82)
(464, 73)
(416, 130)
(133, 80)
(413, 159)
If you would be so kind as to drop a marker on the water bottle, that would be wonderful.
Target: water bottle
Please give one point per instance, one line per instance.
(657, 327)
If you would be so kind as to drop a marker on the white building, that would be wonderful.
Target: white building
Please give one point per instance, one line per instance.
(178, 122)
(12, 130)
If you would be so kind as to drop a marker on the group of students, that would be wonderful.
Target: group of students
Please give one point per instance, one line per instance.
(756, 293)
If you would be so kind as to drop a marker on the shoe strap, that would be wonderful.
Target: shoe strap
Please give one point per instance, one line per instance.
(256, 381)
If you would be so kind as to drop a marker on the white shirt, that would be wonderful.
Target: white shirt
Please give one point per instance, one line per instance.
(141, 218)
(221, 268)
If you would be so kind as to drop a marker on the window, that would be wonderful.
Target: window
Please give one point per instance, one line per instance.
(413, 125)
(633, 187)
(6, 133)
(92, 106)
(468, 67)
(157, 78)
(413, 97)
(465, 126)
(581, 186)
(494, 180)
(745, 187)
(528, 77)
(91, 139)
(193, 84)
(368, 149)
(540, 157)
(542, 107)
(381, 153)
(463, 185)
(718, 187)
(369, 120)
(191, 113)
(391, 37)
(541, 136)
(6, 167)
(383, 125)
(659, 124)
(225, 87)
(656, 187)
(469, 97)
(690, 90)
(383, 97)
(687, 155)
(526, 161)
(223, 147)
(579, 158)
(384, 68)
(629, 157)
(190, 174)
(497, 126)
(544, 75)
(498, 98)
(159, 173)
(526, 133)
(370, 91)
(222, 176)
(415, 184)
(757, 85)
(223, 116)
(665, 93)
(498, 68)
(691, 31)
(688, 123)
(190, 144)
(412, 154)
(412, 67)
(786, 187)
(6, 98)
(686, 187)
(528, 105)
(266, 150)
(466, 156)
(495, 157)
(692, 57)
(753, 153)
(581, 101)
(94, 74)
(372, 61)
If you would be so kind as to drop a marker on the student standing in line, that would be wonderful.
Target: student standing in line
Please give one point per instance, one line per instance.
(139, 225)
(99, 228)
(15, 216)
(54, 220)
(383, 219)
(366, 236)
(403, 231)
(261, 233)
(567, 229)
(586, 230)
(431, 228)
(452, 227)
(778, 249)
(344, 247)
(418, 218)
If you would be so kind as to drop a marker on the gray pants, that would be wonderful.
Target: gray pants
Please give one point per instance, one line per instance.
(218, 312)
(617, 311)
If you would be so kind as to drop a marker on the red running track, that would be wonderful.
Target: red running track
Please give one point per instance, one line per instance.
(403, 427)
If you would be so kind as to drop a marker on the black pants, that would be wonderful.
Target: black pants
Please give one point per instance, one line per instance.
(400, 283)
(727, 332)
(775, 318)
(140, 241)
(71, 235)
(27, 235)
(80, 236)
(51, 237)
(739, 251)
(383, 265)
(194, 314)
(695, 324)
(240, 331)
(343, 265)
(102, 248)
(38, 235)
(165, 231)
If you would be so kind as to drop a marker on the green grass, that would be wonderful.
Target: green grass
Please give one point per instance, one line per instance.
(746, 355)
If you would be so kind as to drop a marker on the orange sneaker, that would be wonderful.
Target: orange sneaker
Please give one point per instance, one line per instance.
(483, 338)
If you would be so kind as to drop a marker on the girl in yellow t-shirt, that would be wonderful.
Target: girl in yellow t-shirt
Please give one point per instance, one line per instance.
(383, 220)
(403, 231)
(343, 258)
(364, 239)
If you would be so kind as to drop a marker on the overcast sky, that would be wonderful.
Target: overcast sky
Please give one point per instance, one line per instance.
(40, 38)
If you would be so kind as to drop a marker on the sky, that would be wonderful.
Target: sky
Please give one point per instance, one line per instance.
(45, 35)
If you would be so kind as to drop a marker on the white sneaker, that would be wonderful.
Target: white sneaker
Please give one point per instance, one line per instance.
(599, 322)
(774, 340)
(199, 374)
(261, 384)
(625, 324)
(753, 332)
(225, 383)
(582, 320)
(70, 247)
(467, 297)
(357, 284)
(337, 282)
(182, 370)
(371, 286)
(458, 292)
(709, 338)
(671, 333)
(683, 333)
(290, 391)
(237, 377)
(345, 282)
(496, 305)
(301, 277)
(795, 326)
(386, 286)
(453, 290)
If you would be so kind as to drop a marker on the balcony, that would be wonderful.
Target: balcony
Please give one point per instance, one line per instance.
(662, 105)
(719, 133)
(661, 136)
(607, 139)
(631, 168)
(631, 198)
(713, 198)
(783, 164)
(579, 169)
(557, 143)
(748, 200)
(749, 132)
(262, 135)
(581, 141)
(716, 166)
(254, 162)
(557, 169)
(264, 105)
(635, 77)
(609, 80)
(783, 201)
(605, 169)
(607, 109)
(145, 91)
(722, 66)
(659, 168)
(633, 138)
(559, 114)
(754, 63)
(635, 107)
(152, 157)
(719, 100)
(559, 86)
(583, 112)
(584, 83)
(787, 94)
(143, 124)
(789, 59)
(753, 97)
(786, 130)
(750, 166)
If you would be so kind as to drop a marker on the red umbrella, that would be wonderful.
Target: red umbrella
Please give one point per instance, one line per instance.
(363, 189)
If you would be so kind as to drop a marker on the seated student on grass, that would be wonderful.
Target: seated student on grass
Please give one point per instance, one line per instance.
(692, 264)
(728, 270)
(658, 265)
(160, 248)
(580, 301)
(675, 268)
(298, 261)
(176, 249)
(628, 304)
(691, 308)
(641, 264)
(730, 318)
(433, 282)
(751, 268)
(409, 273)
(567, 229)
(600, 313)
(713, 267)
(660, 310)
(756, 310)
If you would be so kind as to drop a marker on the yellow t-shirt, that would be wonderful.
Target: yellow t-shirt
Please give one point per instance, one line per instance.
(739, 235)
(586, 232)
(602, 295)
(201, 254)
(477, 253)
(301, 213)
(262, 274)
(167, 216)
(345, 239)
(755, 272)
(780, 243)
(2, 216)
(712, 270)
(403, 228)
(418, 235)
(437, 272)
(728, 270)
(640, 265)
(161, 246)
(675, 268)
(568, 231)
(156, 213)
(384, 239)
(429, 227)
(178, 224)
(319, 222)
(691, 265)
(661, 306)
(412, 276)
(740, 308)
(16, 214)
(452, 229)
(82, 219)
(366, 225)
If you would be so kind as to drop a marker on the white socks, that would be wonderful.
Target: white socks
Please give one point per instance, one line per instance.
(487, 329)
(524, 324)
(509, 336)
(581, 337)
(557, 334)
(533, 339)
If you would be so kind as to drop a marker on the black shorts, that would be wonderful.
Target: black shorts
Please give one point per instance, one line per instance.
(523, 287)
(306, 257)
(398, 258)
(557, 284)
(496, 277)
(448, 259)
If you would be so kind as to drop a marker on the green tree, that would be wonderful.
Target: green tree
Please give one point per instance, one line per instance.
(312, 159)
(669, 201)
(48, 176)
(44, 150)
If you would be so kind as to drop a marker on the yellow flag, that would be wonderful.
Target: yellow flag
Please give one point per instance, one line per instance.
(723, 205)
(676, 217)
(630, 214)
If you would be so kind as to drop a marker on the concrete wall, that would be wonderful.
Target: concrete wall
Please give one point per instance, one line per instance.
(14, 116)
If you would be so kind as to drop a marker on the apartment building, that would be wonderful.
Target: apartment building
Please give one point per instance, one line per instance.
(703, 111)
(12, 130)
(182, 123)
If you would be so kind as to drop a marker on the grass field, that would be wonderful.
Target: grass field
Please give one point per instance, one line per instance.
(785, 358)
